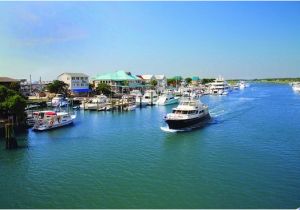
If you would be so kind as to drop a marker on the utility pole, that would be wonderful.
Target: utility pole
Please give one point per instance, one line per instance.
(30, 83)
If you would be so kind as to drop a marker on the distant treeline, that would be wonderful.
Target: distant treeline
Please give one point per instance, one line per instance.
(278, 80)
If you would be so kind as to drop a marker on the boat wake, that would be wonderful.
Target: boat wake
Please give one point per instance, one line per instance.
(168, 130)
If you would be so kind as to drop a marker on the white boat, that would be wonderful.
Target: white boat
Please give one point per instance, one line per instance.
(130, 107)
(219, 86)
(59, 100)
(242, 84)
(296, 86)
(150, 97)
(138, 97)
(167, 99)
(129, 102)
(188, 114)
(96, 103)
(46, 120)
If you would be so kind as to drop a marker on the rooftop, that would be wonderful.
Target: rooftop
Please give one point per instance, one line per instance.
(117, 76)
(7, 79)
(74, 74)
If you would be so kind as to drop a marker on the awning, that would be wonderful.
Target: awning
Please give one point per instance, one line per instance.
(86, 90)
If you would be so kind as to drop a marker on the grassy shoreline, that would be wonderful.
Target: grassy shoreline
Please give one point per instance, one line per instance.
(269, 80)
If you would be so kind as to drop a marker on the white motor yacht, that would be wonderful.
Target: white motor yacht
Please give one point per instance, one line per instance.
(189, 113)
(296, 86)
(219, 86)
(59, 100)
(46, 120)
(167, 99)
(150, 97)
(96, 103)
(138, 97)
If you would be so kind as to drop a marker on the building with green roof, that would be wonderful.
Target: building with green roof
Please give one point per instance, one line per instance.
(118, 80)
(195, 80)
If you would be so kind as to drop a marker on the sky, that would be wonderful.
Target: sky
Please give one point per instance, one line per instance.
(233, 39)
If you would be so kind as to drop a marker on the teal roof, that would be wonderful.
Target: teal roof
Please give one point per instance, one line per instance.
(116, 76)
(195, 78)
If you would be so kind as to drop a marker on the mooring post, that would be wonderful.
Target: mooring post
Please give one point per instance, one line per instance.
(11, 142)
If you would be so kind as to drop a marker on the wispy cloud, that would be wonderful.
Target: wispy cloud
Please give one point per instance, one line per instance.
(67, 35)
(45, 26)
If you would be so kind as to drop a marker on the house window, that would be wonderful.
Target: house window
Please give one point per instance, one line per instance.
(73, 78)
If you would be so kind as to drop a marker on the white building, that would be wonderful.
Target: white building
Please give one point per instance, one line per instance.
(147, 78)
(161, 80)
(78, 82)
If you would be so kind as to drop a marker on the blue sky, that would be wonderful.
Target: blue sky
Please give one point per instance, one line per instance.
(233, 39)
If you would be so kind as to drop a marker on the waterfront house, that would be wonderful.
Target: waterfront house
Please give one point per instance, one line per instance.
(118, 81)
(32, 88)
(10, 83)
(195, 80)
(78, 82)
(147, 78)
(161, 82)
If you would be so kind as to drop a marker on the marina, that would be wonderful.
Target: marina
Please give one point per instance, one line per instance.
(150, 105)
(124, 159)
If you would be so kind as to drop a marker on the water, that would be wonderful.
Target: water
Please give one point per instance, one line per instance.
(247, 157)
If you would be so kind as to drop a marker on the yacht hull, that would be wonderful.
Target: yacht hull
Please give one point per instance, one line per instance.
(44, 128)
(187, 123)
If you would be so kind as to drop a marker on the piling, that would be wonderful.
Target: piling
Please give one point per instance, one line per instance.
(11, 142)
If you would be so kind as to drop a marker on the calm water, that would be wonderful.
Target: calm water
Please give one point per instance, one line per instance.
(248, 157)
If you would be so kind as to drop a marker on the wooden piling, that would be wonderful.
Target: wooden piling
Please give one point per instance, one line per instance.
(11, 142)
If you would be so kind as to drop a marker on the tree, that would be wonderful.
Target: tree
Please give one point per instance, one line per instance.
(153, 83)
(171, 81)
(91, 86)
(14, 86)
(11, 103)
(188, 80)
(103, 88)
(58, 86)
(205, 81)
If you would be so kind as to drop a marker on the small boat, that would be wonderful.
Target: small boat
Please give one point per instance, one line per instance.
(59, 100)
(167, 99)
(76, 107)
(46, 120)
(189, 113)
(236, 87)
(96, 103)
(138, 98)
(242, 84)
(296, 86)
(129, 102)
(150, 97)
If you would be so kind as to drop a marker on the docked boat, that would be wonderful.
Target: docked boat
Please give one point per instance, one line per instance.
(296, 86)
(167, 99)
(59, 100)
(129, 102)
(138, 97)
(219, 86)
(188, 114)
(242, 84)
(46, 120)
(96, 103)
(150, 97)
